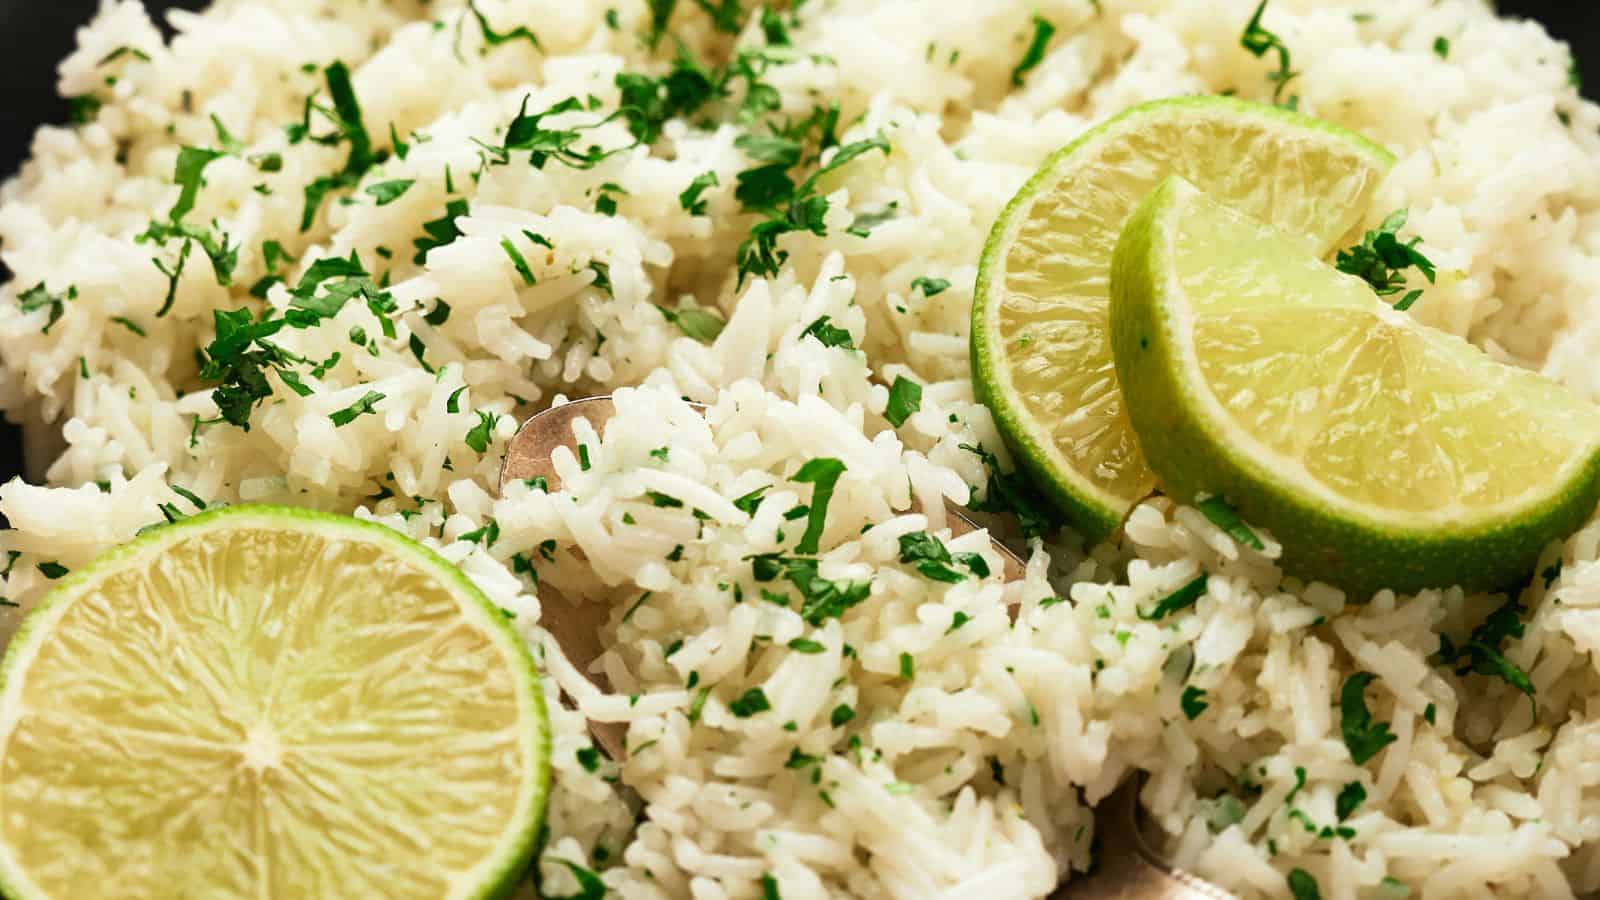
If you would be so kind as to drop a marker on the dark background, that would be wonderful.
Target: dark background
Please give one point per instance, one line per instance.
(36, 34)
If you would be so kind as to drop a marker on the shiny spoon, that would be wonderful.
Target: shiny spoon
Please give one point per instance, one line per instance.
(1134, 872)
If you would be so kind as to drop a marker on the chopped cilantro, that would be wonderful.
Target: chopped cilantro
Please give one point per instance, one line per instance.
(590, 887)
(1303, 886)
(822, 599)
(934, 560)
(749, 502)
(908, 667)
(805, 645)
(1351, 796)
(823, 474)
(1259, 42)
(386, 192)
(191, 164)
(905, 398)
(483, 432)
(1043, 30)
(691, 199)
(841, 715)
(1180, 599)
(829, 335)
(367, 404)
(725, 14)
(517, 261)
(1193, 702)
(82, 109)
(438, 233)
(769, 887)
(1441, 46)
(930, 287)
(1013, 492)
(129, 324)
(1362, 736)
(39, 297)
(589, 758)
(52, 570)
(957, 621)
(495, 38)
(1483, 651)
(1224, 516)
(1381, 260)
(751, 702)
(699, 323)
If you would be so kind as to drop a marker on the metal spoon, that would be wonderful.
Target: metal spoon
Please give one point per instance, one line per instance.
(1133, 872)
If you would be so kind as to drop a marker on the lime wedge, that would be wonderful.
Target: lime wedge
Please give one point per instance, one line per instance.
(1041, 354)
(1381, 452)
(266, 702)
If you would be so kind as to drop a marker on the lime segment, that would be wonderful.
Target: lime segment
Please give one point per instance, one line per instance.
(1041, 351)
(265, 702)
(1381, 452)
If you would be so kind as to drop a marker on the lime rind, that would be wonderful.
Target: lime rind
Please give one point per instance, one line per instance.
(502, 870)
(1094, 511)
(1325, 538)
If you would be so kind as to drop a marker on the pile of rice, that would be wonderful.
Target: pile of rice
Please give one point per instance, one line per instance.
(919, 744)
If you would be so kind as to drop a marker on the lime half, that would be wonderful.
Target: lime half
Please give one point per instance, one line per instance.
(264, 702)
(1381, 452)
(1041, 351)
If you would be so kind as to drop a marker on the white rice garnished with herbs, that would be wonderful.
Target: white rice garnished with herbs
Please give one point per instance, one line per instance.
(434, 222)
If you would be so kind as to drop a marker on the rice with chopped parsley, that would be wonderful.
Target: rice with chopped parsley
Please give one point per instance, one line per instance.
(330, 254)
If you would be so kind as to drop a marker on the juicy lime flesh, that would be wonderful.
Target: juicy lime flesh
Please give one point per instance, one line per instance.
(1043, 352)
(268, 712)
(1376, 410)
(1381, 452)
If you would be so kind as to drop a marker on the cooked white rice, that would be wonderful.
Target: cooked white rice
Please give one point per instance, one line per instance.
(976, 777)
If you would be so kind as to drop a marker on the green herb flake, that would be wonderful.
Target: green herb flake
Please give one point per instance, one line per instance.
(367, 404)
(386, 192)
(692, 199)
(696, 322)
(841, 715)
(1362, 736)
(483, 432)
(1381, 260)
(908, 669)
(517, 261)
(1350, 798)
(1224, 516)
(1303, 886)
(1043, 31)
(52, 570)
(905, 398)
(822, 474)
(495, 38)
(1193, 702)
(750, 703)
(1441, 47)
(805, 645)
(1180, 599)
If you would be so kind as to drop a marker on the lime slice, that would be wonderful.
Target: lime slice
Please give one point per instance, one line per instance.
(1041, 354)
(266, 702)
(1381, 452)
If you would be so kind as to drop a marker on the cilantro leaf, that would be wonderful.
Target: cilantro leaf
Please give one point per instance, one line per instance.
(1193, 702)
(1043, 30)
(822, 474)
(186, 172)
(1013, 492)
(905, 398)
(438, 233)
(701, 324)
(749, 703)
(367, 404)
(590, 887)
(39, 297)
(1259, 42)
(930, 555)
(1179, 600)
(930, 287)
(1351, 796)
(483, 432)
(1381, 260)
(829, 335)
(1224, 516)
(691, 199)
(386, 192)
(495, 38)
(1362, 736)
(748, 503)
(821, 598)
(1303, 886)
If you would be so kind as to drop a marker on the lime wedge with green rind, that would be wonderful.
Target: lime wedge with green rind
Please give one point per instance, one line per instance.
(1379, 451)
(269, 702)
(1041, 352)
